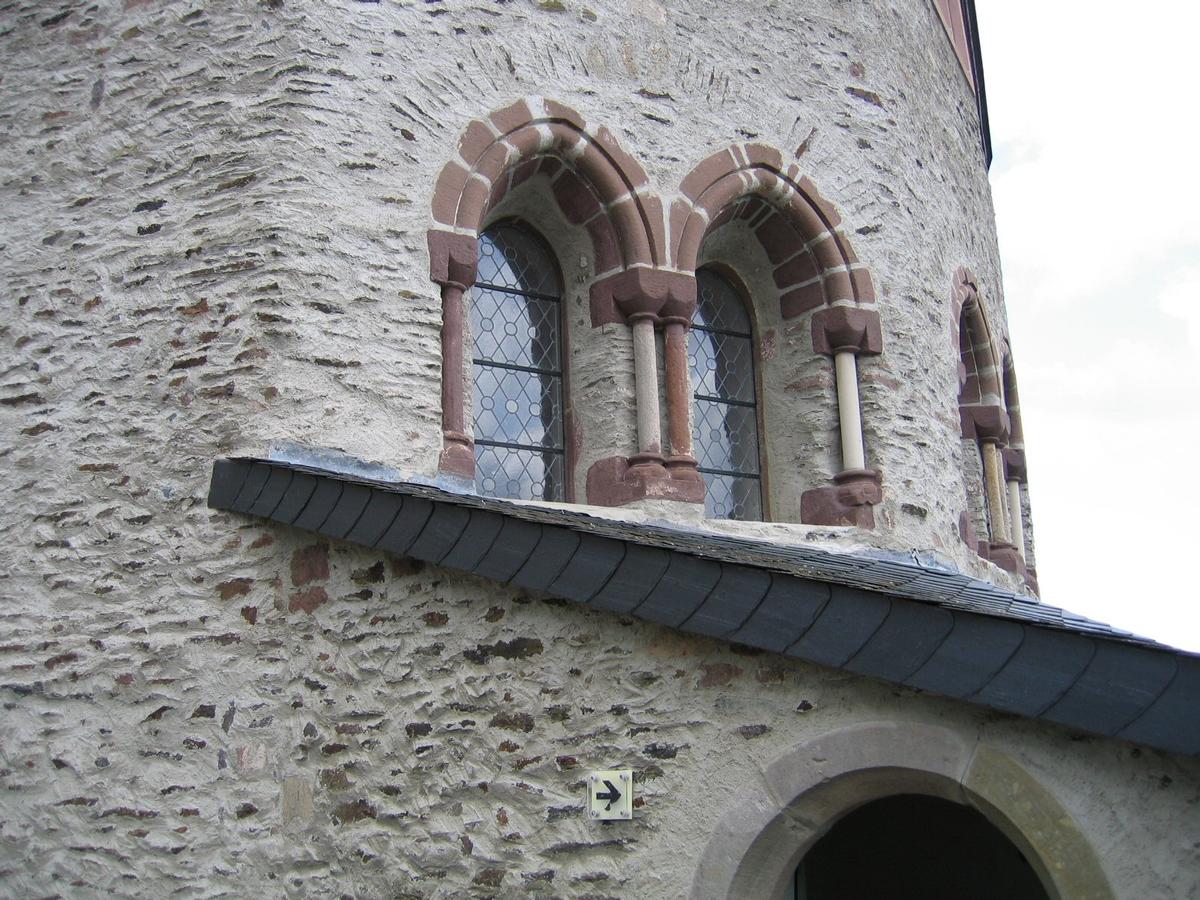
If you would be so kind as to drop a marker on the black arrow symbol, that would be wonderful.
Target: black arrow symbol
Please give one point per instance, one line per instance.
(612, 795)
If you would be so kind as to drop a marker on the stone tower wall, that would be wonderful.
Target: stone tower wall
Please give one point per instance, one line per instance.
(215, 239)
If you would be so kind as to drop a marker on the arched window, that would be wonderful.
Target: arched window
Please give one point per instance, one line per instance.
(516, 321)
(725, 412)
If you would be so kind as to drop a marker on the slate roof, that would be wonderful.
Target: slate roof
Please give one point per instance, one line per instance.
(927, 628)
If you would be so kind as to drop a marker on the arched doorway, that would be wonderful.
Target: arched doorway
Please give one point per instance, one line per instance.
(914, 847)
(757, 844)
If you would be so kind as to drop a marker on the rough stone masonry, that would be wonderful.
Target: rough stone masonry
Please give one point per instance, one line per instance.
(214, 238)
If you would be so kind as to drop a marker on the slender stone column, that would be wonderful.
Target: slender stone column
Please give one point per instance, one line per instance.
(845, 333)
(1017, 519)
(453, 388)
(645, 373)
(993, 479)
(679, 392)
(452, 261)
(849, 413)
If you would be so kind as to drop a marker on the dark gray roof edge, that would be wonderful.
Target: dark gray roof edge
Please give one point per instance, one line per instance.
(922, 627)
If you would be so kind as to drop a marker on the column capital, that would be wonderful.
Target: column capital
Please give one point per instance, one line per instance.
(836, 329)
(453, 258)
(985, 422)
(641, 291)
(1014, 464)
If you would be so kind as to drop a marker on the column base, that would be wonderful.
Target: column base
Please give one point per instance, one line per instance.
(1031, 580)
(848, 501)
(1007, 557)
(458, 456)
(616, 481)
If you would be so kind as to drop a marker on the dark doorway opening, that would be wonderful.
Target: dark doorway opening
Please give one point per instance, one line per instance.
(913, 847)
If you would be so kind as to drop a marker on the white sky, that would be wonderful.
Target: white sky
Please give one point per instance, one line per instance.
(1094, 127)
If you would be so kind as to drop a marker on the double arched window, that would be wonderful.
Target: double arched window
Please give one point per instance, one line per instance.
(516, 323)
(725, 404)
(539, 161)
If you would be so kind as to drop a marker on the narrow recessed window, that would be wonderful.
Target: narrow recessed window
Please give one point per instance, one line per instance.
(517, 366)
(725, 420)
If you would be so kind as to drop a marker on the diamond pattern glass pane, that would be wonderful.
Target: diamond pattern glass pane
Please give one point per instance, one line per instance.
(517, 407)
(725, 418)
(516, 260)
(718, 305)
(515, 319)
(721, 365)
(729, 497)
(726, 437)
(518, 474)
(513, 329)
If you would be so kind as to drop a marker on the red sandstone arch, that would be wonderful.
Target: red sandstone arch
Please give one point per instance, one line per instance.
(596, 184)
(1012, 401)
(814, 264)
(979, 370)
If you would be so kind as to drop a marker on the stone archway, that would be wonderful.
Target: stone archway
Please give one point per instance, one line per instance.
(756, 846)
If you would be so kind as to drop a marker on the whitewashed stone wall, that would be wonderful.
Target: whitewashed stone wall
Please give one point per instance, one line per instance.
(214, 238)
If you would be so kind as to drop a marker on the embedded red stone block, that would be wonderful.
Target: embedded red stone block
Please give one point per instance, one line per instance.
(838, 328)
(652, 213)
(706, 173)
(1031, 580)
(642, 291)
(1014, 463)
(798, 270)
(864, 286)
(475, 140)
(614, 482)
(511, 117)
(574, 198)
(681, 297)
(805, 216)
(446, 192)
(821, 506)
(500, 187)
(721, 194)
(493, 162)
(828, 254)
(1007, 557)
(779, 238)
(452, 258)
(557, 110)
(525, 143)
(827, 210)
(763, 155)
(524, 171)
(966, 531)
(631, 231)
(984, 422)
(473, 204)
(801, 300)
(694, 229)
(564, 138)
(844, 248)
(457, 460)
(847, 502)
(968, 391)
(680, 210)
(606, 179)
(550, 166)
(606, 253)
(631, 170)
(837, 285)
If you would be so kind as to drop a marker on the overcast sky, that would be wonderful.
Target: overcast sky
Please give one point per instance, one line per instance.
(1093, 114)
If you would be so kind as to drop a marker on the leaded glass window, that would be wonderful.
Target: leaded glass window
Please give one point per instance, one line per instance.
(517, 366)
(725, 417)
